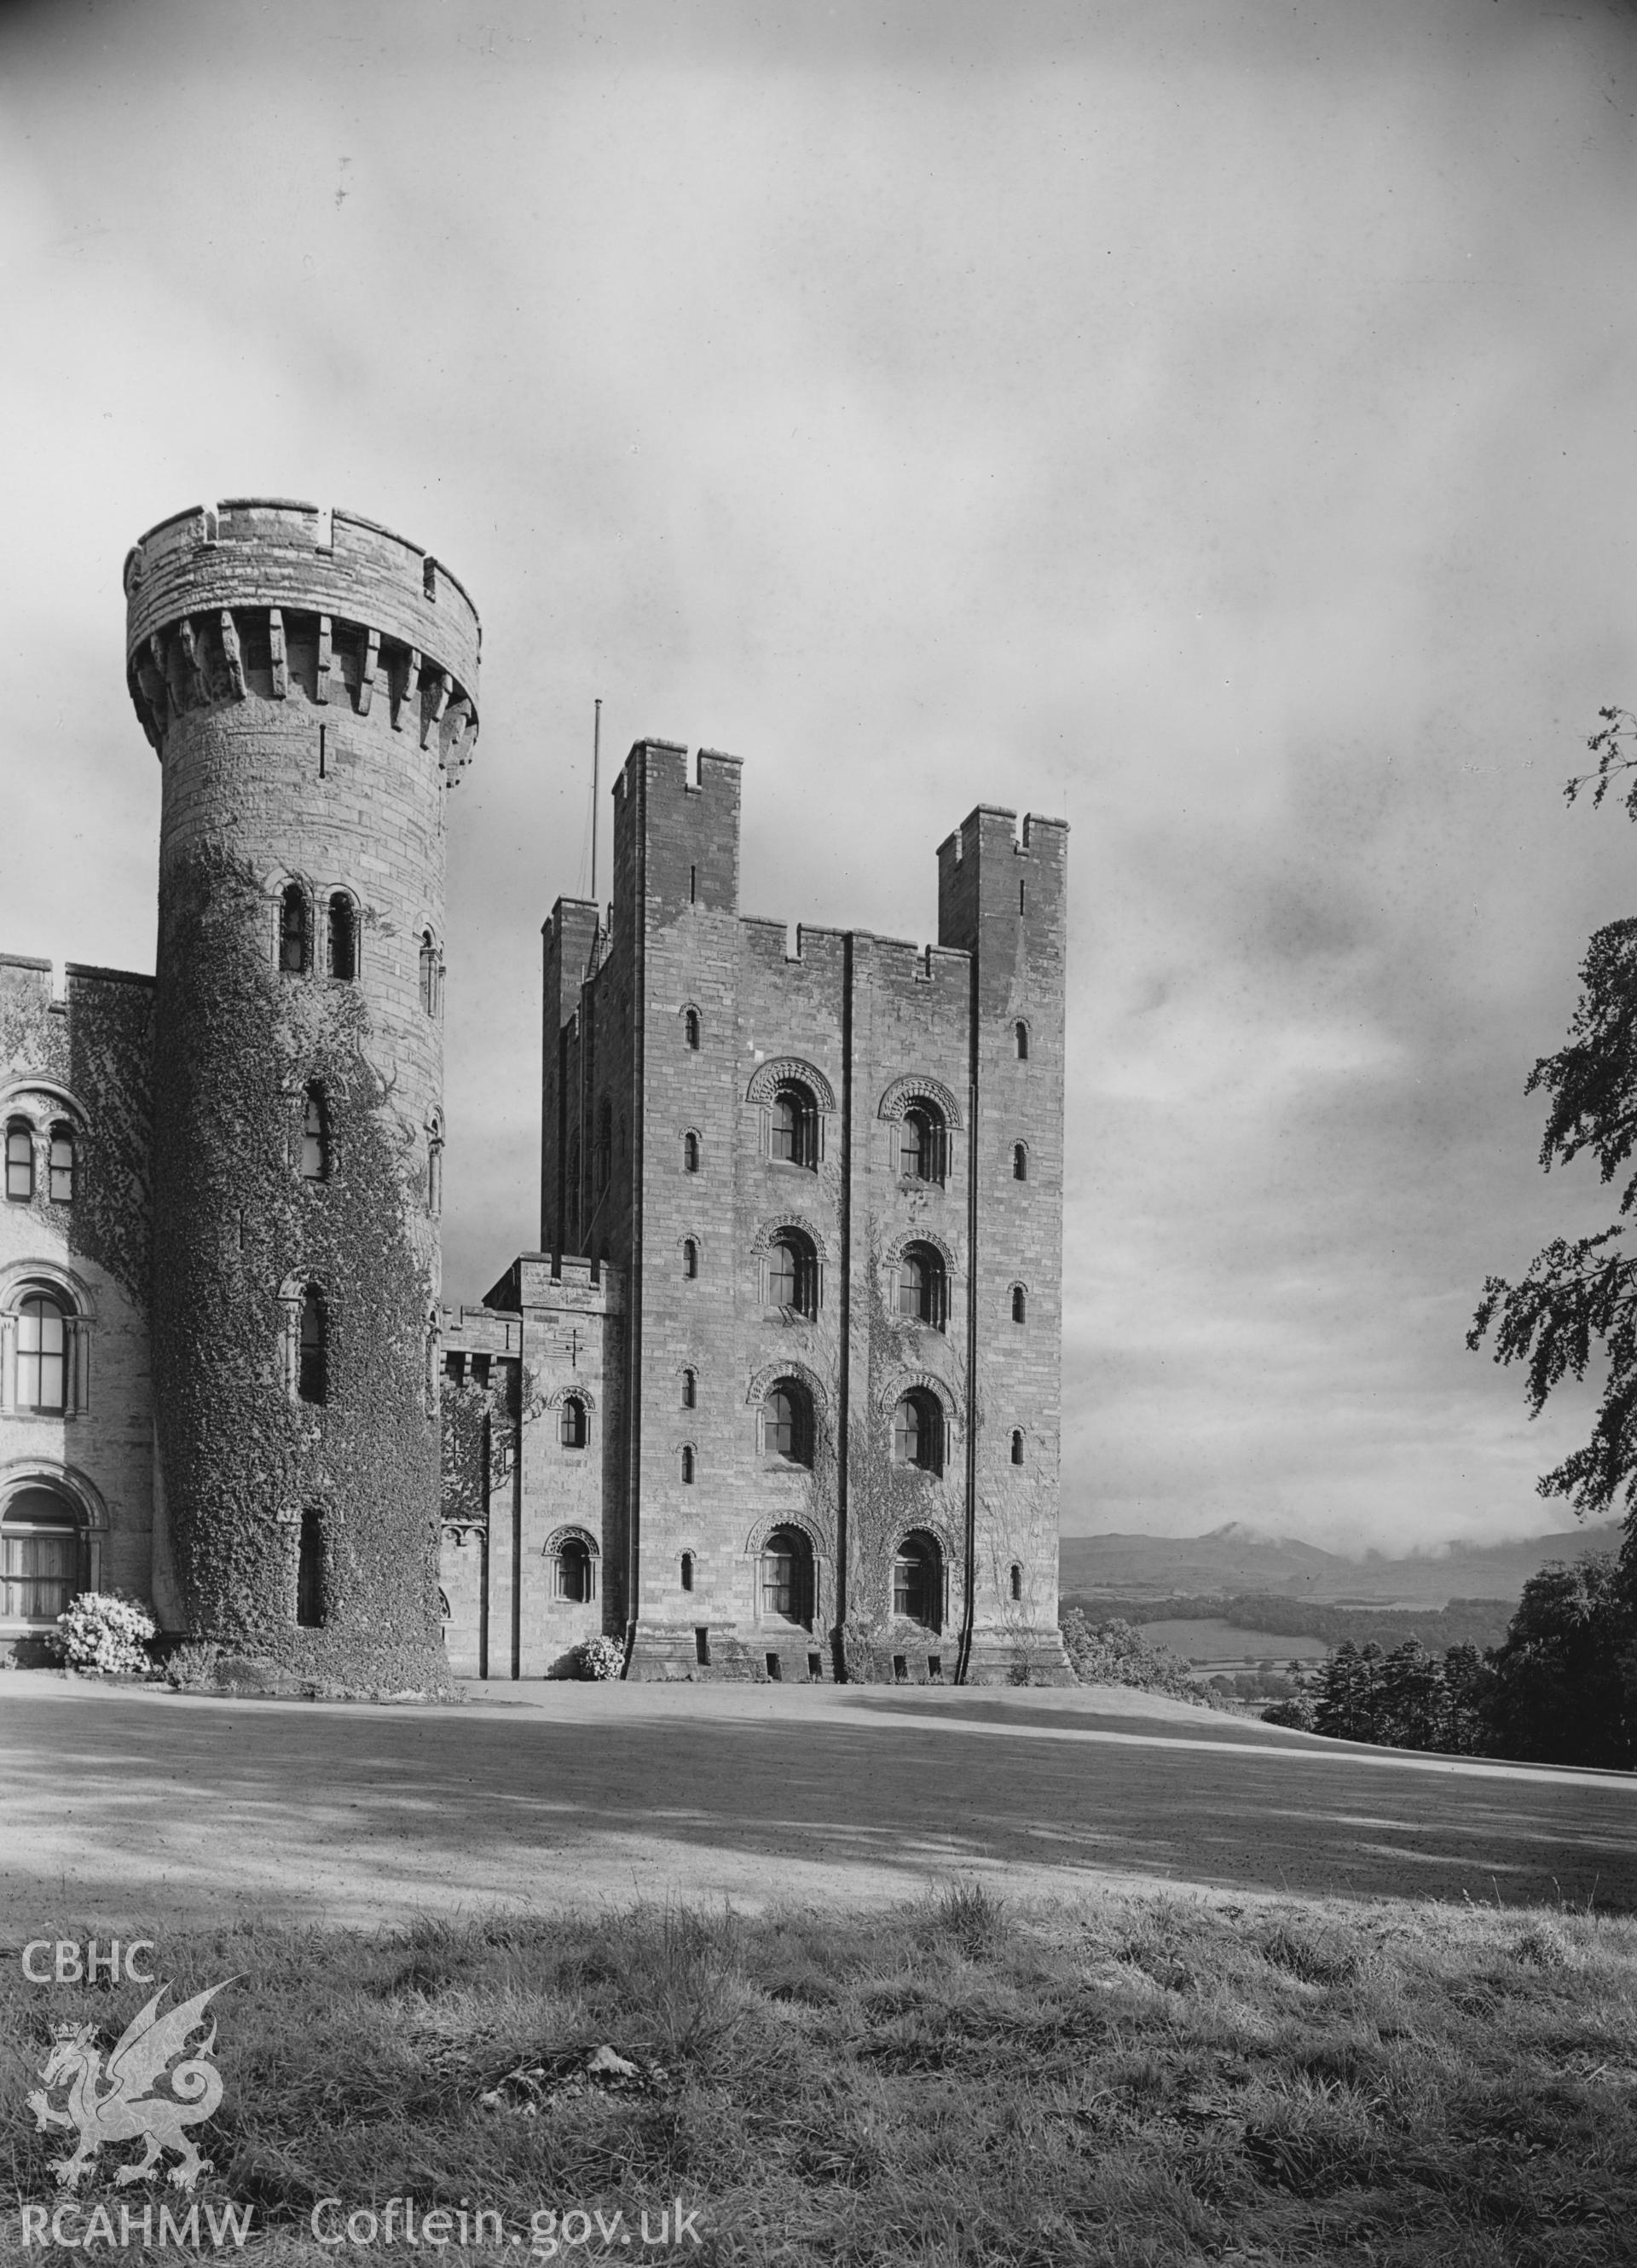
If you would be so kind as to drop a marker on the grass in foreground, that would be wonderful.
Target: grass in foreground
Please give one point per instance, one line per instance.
(1133, 2080)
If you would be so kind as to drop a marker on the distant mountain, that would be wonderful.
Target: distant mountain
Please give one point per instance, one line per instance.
(1238, 1557)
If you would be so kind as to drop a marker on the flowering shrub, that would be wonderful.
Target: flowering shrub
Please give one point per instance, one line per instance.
(103, 1632)
(599, 1658)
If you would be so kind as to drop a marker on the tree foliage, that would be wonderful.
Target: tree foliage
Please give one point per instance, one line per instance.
(1561, 1689)
(1578, 1296)
(1564, 1683)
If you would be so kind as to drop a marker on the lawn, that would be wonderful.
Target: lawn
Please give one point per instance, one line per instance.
(1137, 2080)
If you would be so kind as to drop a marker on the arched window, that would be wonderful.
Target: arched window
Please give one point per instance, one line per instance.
(922, 1147)
(19, 1161)
(788, 1577)
(575, 1580)
(795, 1126)
(1021, 1030)
(918, 1582)
(310, 1605)
(690, 1027)
(1020, 1161)
(571, 1429)
(41, 1556)
(313, 1349)
(429, 974)
(688, 1464)
(917, 1431)
(923, 1289)
(1020, 1304)
(434, 1167)
(793, 1273)
(787, 1423)
(690, 1389)
(343, 938)
(315, 1136)
(41, 1353)
(295, 937)
(1017, 1446)
(691, 1258)
(1017, 1581)
(60, 1164)
(690, 1153)
(687, 1570)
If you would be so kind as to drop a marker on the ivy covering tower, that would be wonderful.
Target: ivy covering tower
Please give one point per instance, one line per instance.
(308, 681)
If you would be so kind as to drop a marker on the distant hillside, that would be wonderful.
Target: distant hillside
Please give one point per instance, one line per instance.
(1463, 1622)
(1237, 1559)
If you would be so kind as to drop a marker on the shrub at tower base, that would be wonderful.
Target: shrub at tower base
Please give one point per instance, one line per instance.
(242, 1459)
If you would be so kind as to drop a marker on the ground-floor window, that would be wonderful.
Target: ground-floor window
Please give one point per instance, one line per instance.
(788, 1577)
(574, 1580)
(41, 1555)
(918, 1582)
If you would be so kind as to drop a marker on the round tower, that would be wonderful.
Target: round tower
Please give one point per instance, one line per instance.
(309, 683)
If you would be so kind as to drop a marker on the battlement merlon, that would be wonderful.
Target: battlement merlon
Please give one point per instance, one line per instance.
(201, 567)
(675, 839)
(988, 855)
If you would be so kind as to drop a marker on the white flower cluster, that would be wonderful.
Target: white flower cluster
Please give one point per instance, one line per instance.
(102, 1632)
(600, 1657)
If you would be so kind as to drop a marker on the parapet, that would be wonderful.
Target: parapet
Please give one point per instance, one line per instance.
(266, 553)
(541, 1279)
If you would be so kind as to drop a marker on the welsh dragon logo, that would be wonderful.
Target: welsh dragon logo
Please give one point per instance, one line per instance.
(118, 2104)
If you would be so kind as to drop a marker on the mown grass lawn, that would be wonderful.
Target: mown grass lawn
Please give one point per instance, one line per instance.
(1157, 2080)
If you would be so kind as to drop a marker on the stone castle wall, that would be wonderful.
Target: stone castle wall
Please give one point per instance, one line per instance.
(653, 1145)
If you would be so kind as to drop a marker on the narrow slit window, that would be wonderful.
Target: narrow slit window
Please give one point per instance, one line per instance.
(691, 1258)
(1020, 1304)
(434, 1173)
(19, 1161)
(343, 938)
(1017, 1448)
(313, 1363)
(688, 1466)
(1020, 1161)
(429, 975)
(1022, 1042)
(687, 1570)
(314, 1136)
(60, 1164)
(690, 1153)
(1022, 898)
(1017, 1582)
(310, 1573)
(295, 944)
(690, 1028)
(691, 1389)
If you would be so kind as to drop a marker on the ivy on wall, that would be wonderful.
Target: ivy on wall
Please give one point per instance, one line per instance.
(242, 1459)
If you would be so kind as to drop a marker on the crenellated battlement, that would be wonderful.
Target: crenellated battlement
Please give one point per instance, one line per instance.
(260, 596)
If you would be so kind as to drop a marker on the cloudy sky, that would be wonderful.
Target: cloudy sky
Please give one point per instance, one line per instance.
(1210, 420)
